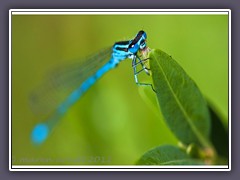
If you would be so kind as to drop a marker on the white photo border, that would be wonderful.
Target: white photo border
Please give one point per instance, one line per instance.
(119, 12)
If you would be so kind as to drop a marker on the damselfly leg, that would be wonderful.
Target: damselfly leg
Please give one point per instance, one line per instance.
(135, 62)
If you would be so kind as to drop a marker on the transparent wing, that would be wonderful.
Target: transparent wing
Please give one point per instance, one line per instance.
(63, 80)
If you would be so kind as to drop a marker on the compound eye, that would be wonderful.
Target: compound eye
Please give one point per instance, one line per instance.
(143, 45)
(143, 42)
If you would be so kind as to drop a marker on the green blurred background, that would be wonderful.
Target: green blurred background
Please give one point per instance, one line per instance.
(111, 124)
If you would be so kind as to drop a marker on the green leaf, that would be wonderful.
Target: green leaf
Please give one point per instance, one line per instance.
(167, 155)
(182, 105)
(219, 134)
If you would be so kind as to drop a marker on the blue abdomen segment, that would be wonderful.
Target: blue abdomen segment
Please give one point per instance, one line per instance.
(40, 133)
(42, 130)
(75, 95)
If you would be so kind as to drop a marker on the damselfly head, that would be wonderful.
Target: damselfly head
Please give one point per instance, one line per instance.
(138, 43)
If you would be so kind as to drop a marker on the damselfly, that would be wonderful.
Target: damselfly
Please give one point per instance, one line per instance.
(69, 83)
